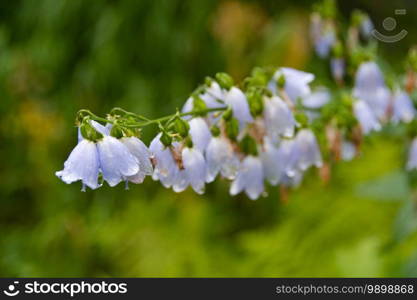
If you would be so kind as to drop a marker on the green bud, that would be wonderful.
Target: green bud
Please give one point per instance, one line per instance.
(232, 129)
(248, 145)
(116, 132)
(181, 127)
(281, 81)
(166, 139)
(89, 133)
(198, 103)
(215, 131)
(301, 119)
(188, 142)
(228, 114)
(224, 80)
(208, 81)
(255, 100)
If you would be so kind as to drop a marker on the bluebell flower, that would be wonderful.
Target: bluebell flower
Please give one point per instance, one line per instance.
(370, 87)
(82, 164)
(317, 99)
(412, 156)
(366, 27)
(402, 108)
(220, 157)
(296, 82)
(290, 156)
(200, 133)
(116, 161)
(139, 150)
(273, 162)
(194, 171)
(165, 166)
(322, 34)
(239, 104)
(250, 178)
(278, 117)
(308, 150)
(337, 67)
(366, 118)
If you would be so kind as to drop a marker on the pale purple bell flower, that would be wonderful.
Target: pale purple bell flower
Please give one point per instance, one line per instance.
(194, 172)
(139, 150)
(366, 118)
(338, 68)
(239, 104)
(221, 158)
(278, 117)
(317, 98)
(412, 156)
(403, 108)
(296, 82)
(273, 162)
(309, 151)
(116, 161)
(200, 133)
(250, 178)
(166, 168)
(291, 155)
(370, 87)
(82, 164)
(324, 42)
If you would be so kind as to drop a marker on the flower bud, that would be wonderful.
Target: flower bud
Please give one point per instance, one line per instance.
(255, 100)
(181, 127)
(232, 128)
(224, 80)
(248, 146)
(166, 139)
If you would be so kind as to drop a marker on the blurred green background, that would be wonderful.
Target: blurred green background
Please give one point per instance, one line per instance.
(146, 56)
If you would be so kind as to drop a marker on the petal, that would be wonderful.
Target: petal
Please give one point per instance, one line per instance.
(195, 168)
(200, 133)
(273, 162)
(82, 164)
(116, 162)
(237, 100)
(139, 150)
(317, 99)
(104, 130)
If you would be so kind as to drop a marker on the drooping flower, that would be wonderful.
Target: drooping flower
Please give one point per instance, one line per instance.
(296, 82)
(279, 119)
(139, 150)
(116, 161)
(403, 108)
(273, 162)
(322, 34)
(317, 98)
(366, 118)
(165, 167)
(370, 87)
(82, 164)
(412, 156)
(213, 97)
(337, 67)
(250, 178)
(366, 27)
(200, 133)
(239, 103)
(220, 157)
(290, 156)
(309, 151)
(194, 172)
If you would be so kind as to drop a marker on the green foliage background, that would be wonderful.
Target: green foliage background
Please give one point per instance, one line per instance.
(59, 56)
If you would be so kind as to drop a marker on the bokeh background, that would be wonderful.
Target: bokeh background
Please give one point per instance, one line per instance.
(146, 56)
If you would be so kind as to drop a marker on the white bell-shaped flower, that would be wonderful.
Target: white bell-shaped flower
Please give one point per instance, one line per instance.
(309, 151)
(220, 157)
(412, 156)
(139, 150)
(366, 118)
(194, 172)
(200, 133)
(250, 178)
(403, 108)
(279, 119)
(273, 162)
(240, 107)
(82, 164)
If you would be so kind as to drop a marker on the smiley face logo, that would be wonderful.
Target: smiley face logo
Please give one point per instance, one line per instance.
(390, 24)
(11, 290)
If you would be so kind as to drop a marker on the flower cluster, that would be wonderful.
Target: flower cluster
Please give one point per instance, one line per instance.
(270, 129)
